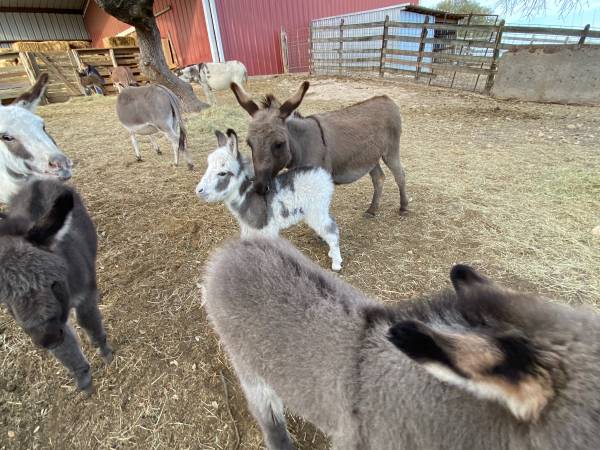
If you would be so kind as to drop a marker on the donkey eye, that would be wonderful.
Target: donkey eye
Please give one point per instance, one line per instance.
(222, 174)
(7, 138)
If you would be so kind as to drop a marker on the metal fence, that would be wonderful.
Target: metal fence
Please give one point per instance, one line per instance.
(457, 55)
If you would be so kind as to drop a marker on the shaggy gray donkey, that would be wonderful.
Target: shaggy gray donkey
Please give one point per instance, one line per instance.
(47, 267)
(476, 367)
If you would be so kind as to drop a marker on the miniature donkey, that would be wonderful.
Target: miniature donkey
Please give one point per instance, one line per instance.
(348, 143)
(48, 266)
(152, 109)
(26, 149)
(478, 367)
(299, 194)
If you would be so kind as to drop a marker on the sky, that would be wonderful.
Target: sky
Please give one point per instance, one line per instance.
(588, 13)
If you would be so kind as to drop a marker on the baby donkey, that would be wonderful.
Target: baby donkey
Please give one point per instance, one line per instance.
(48, 266)
(299, 194)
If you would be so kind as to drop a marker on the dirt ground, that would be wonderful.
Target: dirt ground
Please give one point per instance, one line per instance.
(511, 188)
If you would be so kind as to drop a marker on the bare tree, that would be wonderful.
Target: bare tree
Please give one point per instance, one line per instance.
(528, 8)
(139, 14)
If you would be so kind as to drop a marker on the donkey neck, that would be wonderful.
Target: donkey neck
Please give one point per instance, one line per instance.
(306, 141)
(246, 205)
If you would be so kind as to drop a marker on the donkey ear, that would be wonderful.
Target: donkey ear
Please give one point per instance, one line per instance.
(54, 223)
(505, 368)
(244, 99)
(465, 277)
(294, 101)
(31, 99)
(221, 138)
(232, 142)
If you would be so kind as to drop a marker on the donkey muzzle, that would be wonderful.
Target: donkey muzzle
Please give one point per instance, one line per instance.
(60, 166)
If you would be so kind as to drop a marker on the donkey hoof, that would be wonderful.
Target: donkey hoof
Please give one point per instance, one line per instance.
(368, 214)
(84, 383)
(107, 355)
(403, 211)
(190, 166)
(158, 152)
(336, 267)
(139, 159)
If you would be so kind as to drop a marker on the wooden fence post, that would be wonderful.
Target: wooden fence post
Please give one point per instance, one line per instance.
(284, 51)
(32, 70)
(341, 47)
(113, 59)
(421, 47)
(77, 66)
(25, 59)
(493, 66)
(583, 35)
(384, 43)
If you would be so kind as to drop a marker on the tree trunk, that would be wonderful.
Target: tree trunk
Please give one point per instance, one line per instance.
(139, 14)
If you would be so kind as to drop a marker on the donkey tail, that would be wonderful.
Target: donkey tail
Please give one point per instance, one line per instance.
(177, 109)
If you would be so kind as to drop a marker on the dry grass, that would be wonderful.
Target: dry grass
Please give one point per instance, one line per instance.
(511, 188)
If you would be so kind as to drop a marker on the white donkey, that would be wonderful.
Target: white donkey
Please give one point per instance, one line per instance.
(302, 194)
(26, 149)
(215, 76)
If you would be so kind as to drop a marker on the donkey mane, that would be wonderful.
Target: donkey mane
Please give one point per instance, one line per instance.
(269, 101)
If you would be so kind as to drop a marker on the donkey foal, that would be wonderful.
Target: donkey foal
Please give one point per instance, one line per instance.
(476, 367)
(299, 194)
(48, 266)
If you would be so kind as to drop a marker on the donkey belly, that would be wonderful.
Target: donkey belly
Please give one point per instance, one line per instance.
(350, 175)
(144, 129)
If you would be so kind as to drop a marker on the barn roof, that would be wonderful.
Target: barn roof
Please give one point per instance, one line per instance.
(42, 20)
(39, 6)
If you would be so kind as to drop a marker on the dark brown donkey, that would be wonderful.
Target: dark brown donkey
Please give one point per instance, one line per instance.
(349, 142)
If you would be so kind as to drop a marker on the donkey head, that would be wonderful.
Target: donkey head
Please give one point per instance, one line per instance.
(267, 134)
(26, 149)
(225, 165)
(491, 348)
(33, 282)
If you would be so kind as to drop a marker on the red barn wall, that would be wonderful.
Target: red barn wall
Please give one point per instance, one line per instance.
(184, 22)
(99, 24)
(250, 28)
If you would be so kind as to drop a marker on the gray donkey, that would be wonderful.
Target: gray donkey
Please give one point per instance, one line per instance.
(152, 109)
(348, 142)
(478, 367)
(48, 266)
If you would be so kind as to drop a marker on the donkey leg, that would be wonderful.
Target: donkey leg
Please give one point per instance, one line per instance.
(174, 139)
(377, 177)
(267, 409)
(70, 355)
(90, 319)
(208, 93)
(155, 145)
(327, 229)
(136, 147)
(393, 162)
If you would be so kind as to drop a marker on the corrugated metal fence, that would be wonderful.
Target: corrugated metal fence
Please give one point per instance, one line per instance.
(360, 46)
(463, 56)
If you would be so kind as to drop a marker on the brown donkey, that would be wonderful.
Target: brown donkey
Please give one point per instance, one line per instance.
(349, 142)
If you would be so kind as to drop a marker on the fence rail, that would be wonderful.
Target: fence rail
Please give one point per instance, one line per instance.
(434, 51)
(19, 70)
